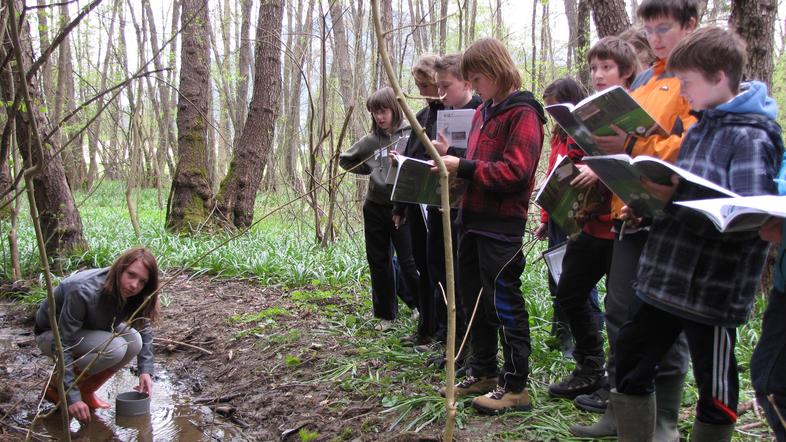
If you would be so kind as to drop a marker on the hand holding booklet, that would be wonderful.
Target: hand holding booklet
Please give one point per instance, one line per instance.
(741, 213)
(415, 183)
(563, 202)
(455, 124)
(622, 175)
(594, 115)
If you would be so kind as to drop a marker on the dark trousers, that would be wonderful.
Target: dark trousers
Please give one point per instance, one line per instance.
(619, 298)
(768, 363)
(380, 232)
(559, 321)
(586, 260)
(425, 302)
(495, 266)
(650, 333)
(436, 261)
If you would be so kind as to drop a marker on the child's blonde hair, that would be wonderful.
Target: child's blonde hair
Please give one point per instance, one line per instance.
(423, 71)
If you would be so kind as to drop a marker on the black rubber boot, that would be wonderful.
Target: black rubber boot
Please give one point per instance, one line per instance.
(710, 433)
(635, 416)
(605, 427)
(668, 397)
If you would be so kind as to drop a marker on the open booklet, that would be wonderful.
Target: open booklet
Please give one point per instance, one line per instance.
(455, 124)
(594, 115)
(622, 175)
(741, 213)
(415, 183)
(562, 201)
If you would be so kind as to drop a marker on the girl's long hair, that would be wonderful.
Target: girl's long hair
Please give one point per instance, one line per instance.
(111, 285)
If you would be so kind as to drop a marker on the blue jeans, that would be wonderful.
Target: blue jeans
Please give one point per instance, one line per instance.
(768, 363)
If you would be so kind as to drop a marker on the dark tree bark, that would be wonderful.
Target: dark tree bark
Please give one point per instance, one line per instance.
(754, 20)
(239, 189)
(191, 198)
(571, 13)
(499, 28)
(443, 26)
(610, 16)
(165, 133)
(582, 42)
(60, 221)
(344, 71)
(243, 67)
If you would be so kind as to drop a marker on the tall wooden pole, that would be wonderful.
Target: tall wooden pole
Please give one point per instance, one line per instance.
(450, 351)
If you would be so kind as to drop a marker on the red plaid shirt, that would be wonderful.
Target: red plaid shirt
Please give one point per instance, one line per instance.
(503, 152)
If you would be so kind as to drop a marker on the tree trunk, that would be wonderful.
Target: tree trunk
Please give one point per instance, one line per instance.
(191, 198)
(533, 67)
(754, 21)
(573, 24)
(473, 12)
(60, 221)
(239, 189)
(387, 23)
(165, 134)
(499, 29)
(344, 71)
(243, 68)
(610, 16)
(443, 25)
(582, 42)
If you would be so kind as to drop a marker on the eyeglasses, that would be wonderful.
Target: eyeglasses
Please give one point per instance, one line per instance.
(659, 30)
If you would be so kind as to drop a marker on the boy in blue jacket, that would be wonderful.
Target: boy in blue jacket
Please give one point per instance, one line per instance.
(768, 363)
(691, 277)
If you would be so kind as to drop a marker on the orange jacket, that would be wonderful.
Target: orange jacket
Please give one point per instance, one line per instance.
(658, 92)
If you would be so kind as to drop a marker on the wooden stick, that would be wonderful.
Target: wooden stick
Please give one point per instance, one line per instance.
(183, 344)
(417, 129)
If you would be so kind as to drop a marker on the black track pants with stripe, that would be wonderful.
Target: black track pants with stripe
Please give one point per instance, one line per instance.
(647, 336)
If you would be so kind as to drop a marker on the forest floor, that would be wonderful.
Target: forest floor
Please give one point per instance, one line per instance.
(278, 360)
(302, 361)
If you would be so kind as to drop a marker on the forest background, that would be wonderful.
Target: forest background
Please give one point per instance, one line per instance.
(209, 131)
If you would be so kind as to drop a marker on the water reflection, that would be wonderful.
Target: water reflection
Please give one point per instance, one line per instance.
(171, 417)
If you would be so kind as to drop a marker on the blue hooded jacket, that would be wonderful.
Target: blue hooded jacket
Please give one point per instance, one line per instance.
(753, 98)
(780, 261)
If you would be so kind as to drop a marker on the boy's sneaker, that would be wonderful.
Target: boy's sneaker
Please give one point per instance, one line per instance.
(501, 401)
(596, 402)
(414, 339)
(429, 347)
(472, 385)
(383, 325)
(586, 378)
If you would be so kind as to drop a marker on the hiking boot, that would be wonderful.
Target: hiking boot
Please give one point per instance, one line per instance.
(501, 401)
(472, 385)
(596, 402)
(586, 378)
(383, 325)
(414, 339)
(429, 348)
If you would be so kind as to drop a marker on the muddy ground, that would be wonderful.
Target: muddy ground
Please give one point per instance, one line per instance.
(256, 369)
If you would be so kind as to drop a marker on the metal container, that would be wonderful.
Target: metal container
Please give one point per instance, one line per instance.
(132, 403)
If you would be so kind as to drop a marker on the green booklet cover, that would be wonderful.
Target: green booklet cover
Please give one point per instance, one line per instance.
(563, 202)
(416, 183)
(594, 116)
(622, 175)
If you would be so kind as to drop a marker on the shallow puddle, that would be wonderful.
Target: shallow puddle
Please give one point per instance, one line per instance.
(171, 417)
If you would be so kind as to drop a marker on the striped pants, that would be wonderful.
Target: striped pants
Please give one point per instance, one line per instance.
(649, 334)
